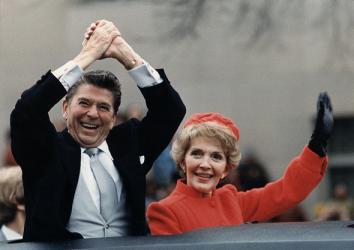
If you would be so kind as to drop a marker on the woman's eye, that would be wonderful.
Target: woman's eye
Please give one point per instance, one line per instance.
(217, 156)
(196, 153)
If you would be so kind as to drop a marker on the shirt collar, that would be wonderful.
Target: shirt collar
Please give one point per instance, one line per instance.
(103, 147)
(10, 234)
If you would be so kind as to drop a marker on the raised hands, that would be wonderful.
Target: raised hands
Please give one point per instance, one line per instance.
(323, 126)
(118, 49)
(94, 48)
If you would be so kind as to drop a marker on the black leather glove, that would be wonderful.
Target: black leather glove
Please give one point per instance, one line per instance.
(323, 126)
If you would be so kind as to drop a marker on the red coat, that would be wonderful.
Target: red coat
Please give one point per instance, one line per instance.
(185, 210)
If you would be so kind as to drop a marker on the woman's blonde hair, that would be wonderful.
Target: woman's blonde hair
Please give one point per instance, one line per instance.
(11, 193)
(209, 129)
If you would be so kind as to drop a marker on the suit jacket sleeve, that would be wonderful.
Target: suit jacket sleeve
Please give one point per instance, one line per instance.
(31, 129)
(165, 112)
(301, 177)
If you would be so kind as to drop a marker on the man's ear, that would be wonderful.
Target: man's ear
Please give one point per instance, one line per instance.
(114, 120)
(64, 108)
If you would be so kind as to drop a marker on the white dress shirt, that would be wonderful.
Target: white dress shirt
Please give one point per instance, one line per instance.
(10, 234)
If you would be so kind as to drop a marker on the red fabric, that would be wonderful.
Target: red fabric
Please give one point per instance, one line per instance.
(198, 118)
(185, 210)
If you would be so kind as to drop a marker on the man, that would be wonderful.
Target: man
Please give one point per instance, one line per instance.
(65, 197)
(12, 207)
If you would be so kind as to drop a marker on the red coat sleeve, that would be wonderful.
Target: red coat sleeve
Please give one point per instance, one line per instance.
(161, 220)
(301, 177)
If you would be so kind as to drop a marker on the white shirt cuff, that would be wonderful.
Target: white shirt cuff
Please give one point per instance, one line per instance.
(145, 75)
(68, 74)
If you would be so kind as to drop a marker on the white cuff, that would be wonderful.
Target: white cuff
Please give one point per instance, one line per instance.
(68, 74)
(145, 75)
(71, 77)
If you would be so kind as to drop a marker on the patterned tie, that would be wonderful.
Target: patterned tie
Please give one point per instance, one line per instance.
(105, 183)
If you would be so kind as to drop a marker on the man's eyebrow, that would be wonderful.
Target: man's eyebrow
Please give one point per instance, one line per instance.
(83, 98)
(105, 103)
(88, 99)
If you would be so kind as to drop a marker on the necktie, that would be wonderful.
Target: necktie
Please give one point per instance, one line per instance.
(105, 183)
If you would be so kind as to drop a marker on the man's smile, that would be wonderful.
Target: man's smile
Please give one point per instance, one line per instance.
(89, 125)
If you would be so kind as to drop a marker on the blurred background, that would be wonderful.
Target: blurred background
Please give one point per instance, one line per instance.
(260, 62)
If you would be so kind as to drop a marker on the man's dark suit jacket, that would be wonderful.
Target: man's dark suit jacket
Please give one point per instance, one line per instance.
(50, 161)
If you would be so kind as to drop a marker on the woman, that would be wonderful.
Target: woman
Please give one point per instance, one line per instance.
(206, 149)
(12, 204)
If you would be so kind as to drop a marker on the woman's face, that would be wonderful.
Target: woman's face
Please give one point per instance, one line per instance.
(204, 164)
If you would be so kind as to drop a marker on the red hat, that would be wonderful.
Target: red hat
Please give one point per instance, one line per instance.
(198, 118)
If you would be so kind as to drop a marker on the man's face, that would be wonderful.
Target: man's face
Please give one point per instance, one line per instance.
(89, 115)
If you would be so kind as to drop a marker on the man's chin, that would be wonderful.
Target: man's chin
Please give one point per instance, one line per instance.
(88, 142)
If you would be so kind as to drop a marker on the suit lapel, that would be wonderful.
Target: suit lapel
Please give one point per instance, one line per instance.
(71, 158)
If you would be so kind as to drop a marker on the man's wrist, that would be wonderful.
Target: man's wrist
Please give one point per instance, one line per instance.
(132, 63)
(127, 56)
(59, 72)
(84, 60)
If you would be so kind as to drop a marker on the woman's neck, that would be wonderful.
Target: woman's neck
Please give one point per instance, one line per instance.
(18, 223)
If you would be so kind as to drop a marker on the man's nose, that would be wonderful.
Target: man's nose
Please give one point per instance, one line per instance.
(92, 112)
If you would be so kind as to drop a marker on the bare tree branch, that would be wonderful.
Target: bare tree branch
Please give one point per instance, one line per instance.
(187, 15)
(265, 22)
